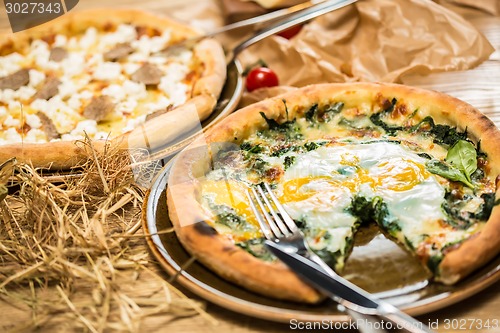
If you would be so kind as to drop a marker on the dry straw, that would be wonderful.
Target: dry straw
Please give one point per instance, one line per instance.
(73, 255)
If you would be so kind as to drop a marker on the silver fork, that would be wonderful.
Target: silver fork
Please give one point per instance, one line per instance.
(278, 227)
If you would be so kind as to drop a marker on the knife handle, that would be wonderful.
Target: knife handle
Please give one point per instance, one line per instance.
(389, 312)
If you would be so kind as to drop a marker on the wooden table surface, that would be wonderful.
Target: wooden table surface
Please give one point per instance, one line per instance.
(483, 306)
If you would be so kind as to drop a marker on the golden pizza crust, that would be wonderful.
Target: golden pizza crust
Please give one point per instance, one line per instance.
(218, 252)
(160, 130)
(273, 279)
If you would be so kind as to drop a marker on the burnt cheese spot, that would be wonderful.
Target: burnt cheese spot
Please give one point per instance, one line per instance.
(204, 229)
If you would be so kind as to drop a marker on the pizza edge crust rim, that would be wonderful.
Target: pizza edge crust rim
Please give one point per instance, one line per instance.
(204, 94)
(221, 255)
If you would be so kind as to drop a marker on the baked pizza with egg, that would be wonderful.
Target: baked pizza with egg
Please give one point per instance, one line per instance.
(422, 165)
(100, 74)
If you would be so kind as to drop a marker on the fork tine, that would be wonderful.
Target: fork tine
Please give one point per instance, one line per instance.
(288, 220)
(268, 228)
(272, 210)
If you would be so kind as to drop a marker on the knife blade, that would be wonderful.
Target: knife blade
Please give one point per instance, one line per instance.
(343, 291)
(301, 16)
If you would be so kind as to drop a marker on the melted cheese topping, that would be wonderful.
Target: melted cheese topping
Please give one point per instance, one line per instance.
(325, 181)
(344, 164)
(84, 73)
(319, 187)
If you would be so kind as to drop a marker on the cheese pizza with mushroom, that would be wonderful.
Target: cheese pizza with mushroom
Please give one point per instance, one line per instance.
(100, 74)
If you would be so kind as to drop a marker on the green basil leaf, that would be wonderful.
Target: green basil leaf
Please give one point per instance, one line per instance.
(463, 156)
(447, 171)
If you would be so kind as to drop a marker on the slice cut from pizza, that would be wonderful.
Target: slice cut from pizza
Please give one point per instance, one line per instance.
(421, 165)
(100, 74)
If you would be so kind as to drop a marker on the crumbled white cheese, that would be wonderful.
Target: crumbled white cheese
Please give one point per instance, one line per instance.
(161, 103)
(86, 94)
(33, 121)
(63, 116)
(14, 105)
(89, 38)
(67, 88)
(142, 48)
(140, 57)
(12, 136)
(115, 91)
(7, 95)
(36, 77)
(134, 89)
(73, 43)
(60, 41)
(126, 107)
(73, 64)
(94, 60)
(133, 123)
(11, 122)
(40, 53)
(157, 60)
(130, 68)
(176, 72)
(158, 43)
(25, 92)
(3, 111)
(183, 56)
(177, 92)
(107, 71)
(124, 33)
(40, 105)
(88, 126)
(68, 137)
(146, 45)
(35, 135)
(74, 102)
(10, 63)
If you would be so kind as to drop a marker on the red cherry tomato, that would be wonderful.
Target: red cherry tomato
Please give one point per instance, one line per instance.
(261, 77)
(290, 32)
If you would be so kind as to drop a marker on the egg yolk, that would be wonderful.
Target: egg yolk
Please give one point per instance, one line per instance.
(232, 194)
(293, 191)
(395, 175)
(400, 175)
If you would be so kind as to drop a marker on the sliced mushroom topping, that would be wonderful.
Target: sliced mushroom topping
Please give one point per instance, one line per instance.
(119, 51)
(157, 113)
(49, 89)
(16, 80)
(148, 74)
(48, 126)
(58, 53)
(99, 108)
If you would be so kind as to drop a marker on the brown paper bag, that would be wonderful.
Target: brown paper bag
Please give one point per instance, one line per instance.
(375, 40)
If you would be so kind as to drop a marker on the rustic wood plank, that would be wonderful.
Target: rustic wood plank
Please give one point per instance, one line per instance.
(480, 87)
